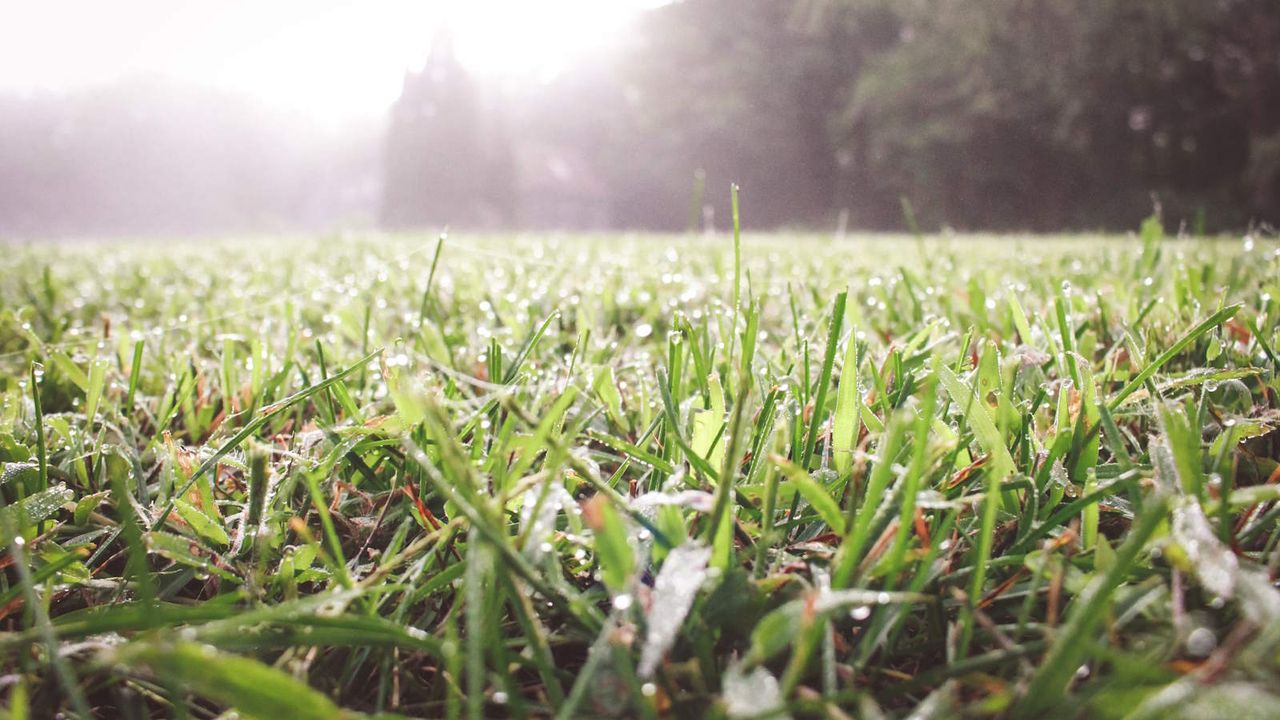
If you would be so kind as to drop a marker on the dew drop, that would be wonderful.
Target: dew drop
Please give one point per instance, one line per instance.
(1201, 642)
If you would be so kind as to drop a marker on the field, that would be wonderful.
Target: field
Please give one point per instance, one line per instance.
(641, 477)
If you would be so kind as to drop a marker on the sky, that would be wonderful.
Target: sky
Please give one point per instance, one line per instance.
(332, 59)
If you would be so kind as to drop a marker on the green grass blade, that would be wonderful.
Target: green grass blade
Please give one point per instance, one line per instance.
(1171, 352)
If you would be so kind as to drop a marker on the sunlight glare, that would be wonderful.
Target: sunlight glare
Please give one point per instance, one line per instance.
(332, 59)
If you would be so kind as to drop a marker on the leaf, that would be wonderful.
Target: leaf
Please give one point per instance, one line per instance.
(406, 394)
(310, 630)
(137, 617)
(86, 505)
(1019, 319)
(979, 419)
(218, 616)
(69, 369)
(183, 551)
(12, 451)
(835, 600)
(1182, 438)
(25, 472)
(818, 418)
(858, 522)
(32, 509)
(1254, 495)
(254, 689)
(775, 632)
(69, 567)
(1104, 558)
(1087, 459)
(616, 557)
(814, 493)
(784, 624)
(202, 524)
(93, 389)
(635, 453)
(844, 430)
(606, 389)
(707, 440)
(716, 401)
(1172, 351)
(696, 460)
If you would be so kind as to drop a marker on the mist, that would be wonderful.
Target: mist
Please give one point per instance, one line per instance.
(1045, 116)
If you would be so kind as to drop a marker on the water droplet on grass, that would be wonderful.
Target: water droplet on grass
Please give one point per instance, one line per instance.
(1201, 642)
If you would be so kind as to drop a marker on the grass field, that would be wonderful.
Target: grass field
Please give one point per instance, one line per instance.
(641, 477)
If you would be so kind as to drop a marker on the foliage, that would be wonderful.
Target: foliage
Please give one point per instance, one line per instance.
(1061, 113)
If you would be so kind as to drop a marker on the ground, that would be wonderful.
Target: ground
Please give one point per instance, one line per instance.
(619, 476)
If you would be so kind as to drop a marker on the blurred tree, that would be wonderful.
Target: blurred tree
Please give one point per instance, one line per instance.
(448, 161)
(742, 90)
(1044, 114)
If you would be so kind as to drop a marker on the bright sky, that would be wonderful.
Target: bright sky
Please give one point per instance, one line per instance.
(334, 59)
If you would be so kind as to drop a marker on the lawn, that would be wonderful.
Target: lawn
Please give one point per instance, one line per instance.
(541, 476)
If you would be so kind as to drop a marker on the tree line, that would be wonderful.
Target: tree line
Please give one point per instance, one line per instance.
(1003, 115)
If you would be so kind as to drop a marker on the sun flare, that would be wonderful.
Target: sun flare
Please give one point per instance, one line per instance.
(333, 59)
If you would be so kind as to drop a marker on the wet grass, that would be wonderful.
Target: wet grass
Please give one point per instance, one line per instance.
(641, 477)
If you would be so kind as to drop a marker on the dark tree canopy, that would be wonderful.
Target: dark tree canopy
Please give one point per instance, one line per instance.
(1013, 114)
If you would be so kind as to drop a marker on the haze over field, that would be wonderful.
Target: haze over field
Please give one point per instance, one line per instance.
(159, 117)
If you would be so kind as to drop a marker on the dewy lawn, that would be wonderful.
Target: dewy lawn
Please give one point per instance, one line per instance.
(642, 477)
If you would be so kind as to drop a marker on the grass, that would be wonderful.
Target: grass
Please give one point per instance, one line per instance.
(758, 476)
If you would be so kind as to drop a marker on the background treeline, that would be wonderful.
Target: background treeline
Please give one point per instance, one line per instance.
(1003, 115)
